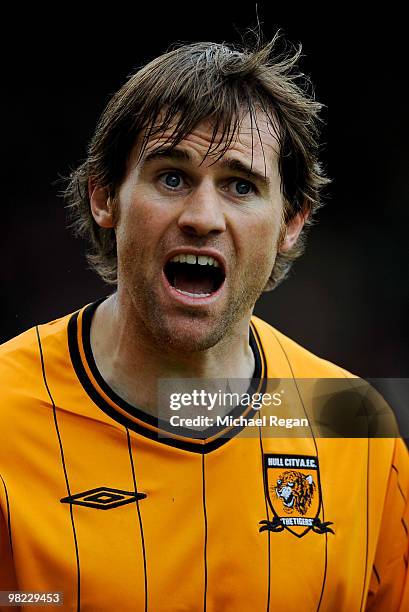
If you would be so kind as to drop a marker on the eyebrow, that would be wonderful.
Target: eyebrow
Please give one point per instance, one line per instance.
(235, 165)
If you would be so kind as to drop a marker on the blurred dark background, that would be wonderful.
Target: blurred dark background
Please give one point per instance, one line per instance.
(347, 298)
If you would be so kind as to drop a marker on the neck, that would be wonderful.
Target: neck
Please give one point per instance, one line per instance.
(131, 361)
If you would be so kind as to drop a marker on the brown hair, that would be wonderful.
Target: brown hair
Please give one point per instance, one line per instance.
(185, 86)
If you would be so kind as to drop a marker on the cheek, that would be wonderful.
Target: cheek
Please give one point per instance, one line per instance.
(137, 212)
(262, 242)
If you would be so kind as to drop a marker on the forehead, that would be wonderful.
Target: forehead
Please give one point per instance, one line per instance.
(255, 141)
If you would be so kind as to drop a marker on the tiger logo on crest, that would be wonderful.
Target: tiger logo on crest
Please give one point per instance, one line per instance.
(295, 490)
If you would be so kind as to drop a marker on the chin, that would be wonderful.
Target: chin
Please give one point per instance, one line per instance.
(189, 337)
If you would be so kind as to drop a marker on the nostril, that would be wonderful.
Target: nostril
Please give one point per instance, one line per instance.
(201, 230)
(201, 220)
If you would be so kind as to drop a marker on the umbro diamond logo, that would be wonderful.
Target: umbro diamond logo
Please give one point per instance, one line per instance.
(103, 498)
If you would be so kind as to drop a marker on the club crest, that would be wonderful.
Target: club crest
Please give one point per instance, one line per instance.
(293, 491)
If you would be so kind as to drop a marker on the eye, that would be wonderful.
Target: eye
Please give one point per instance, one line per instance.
(279, 482)
(172, 180)
(290, 484)
(242, 187)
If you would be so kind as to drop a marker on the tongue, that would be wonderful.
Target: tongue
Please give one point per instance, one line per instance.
(186, 282)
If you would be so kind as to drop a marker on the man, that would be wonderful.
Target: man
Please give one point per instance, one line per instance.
(200, 180)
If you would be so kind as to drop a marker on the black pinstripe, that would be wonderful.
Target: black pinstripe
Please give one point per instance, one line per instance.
(324, 579)
(264, 482)
(367, 523)
(398, 483)
(268, 518)
(8, 516)
(405, 558)
(64, 469)
(205, 533)
(367, 502)
(367, 506)
(377, 576)
(140, 519)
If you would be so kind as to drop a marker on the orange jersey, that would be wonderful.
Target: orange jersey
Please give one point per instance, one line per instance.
(97, 504)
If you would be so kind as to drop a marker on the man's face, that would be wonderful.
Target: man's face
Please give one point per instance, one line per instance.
(197, 239)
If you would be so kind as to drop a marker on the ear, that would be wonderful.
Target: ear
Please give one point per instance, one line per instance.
(292, 230)
(101, 205)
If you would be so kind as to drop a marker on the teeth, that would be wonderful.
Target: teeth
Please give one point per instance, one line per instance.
(202, 260)
(195, 295)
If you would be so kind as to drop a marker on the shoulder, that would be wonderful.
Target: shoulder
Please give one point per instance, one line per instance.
(27, 345)
(288, 358)
(332, 390)
(22, 358)
(26, 363)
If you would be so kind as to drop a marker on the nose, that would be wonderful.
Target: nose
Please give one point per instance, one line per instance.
(202, 212)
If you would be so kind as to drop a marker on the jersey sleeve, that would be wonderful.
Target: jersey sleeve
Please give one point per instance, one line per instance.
(389, 585)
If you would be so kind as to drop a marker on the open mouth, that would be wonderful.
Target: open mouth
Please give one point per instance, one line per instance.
(196, 276)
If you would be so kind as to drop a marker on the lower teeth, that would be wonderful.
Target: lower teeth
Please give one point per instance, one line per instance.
(195, 295)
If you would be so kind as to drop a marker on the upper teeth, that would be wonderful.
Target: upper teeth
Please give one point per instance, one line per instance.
(202, 260)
